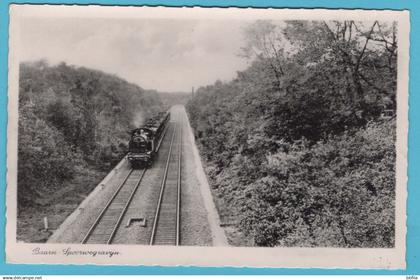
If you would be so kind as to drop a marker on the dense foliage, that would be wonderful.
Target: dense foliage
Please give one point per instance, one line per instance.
(72, 120)
(299, 148)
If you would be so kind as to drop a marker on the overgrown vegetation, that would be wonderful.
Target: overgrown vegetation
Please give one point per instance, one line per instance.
(297, 148)
(73, 123)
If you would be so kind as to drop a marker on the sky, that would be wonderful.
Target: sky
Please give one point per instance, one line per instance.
(163, 54)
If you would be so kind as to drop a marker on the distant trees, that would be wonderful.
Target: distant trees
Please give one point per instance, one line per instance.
(295, 146)
(71, 119)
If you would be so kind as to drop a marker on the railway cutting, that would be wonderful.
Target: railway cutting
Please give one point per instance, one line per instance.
(150, 198)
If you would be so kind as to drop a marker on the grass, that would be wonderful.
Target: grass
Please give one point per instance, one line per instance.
(56, 206)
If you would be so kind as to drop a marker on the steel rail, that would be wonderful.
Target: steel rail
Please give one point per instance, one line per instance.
(111, 237)
(162, 188)
(178, 206)
(95, 223)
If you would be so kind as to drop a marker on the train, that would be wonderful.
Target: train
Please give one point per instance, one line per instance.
(145, 140)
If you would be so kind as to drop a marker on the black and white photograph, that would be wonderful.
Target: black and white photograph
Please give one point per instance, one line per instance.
(207, 136)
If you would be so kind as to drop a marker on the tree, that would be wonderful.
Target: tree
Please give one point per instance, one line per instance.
(266, 42)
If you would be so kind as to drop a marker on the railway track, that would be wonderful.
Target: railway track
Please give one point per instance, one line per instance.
(166, 220)
(109, 219)
(166, 224)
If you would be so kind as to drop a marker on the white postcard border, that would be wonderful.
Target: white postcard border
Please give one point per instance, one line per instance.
(206, 256)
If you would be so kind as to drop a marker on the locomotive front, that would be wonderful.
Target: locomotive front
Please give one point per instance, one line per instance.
(140, 148)
(145, 141)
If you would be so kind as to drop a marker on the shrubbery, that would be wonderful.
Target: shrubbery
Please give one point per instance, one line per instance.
(338, 192)
(72, 119)
(296, 149)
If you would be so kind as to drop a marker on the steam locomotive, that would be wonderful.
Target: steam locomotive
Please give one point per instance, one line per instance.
(145, 141)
